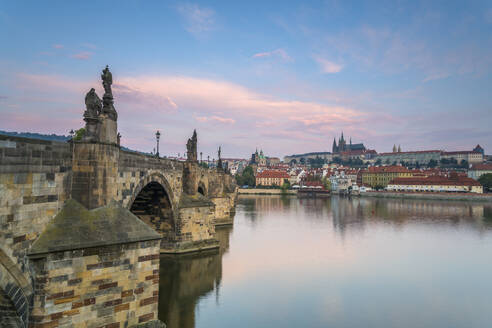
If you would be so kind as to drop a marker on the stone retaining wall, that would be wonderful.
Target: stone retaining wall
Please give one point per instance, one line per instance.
(259, 191)
(113, 286)
(431, 196)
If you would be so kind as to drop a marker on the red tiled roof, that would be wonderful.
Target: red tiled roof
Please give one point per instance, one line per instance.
(481, 167)
(436, 180)
(273, 174)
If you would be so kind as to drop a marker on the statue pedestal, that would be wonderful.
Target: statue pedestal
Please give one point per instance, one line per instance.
(108, 130)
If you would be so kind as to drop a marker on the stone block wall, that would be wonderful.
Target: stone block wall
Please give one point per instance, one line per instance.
(112, 286)
(34, 183)
(195, 229)
(223, 209)
(95, 171)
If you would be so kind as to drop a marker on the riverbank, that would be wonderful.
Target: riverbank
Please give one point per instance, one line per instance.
(265, 191)
(431, 196)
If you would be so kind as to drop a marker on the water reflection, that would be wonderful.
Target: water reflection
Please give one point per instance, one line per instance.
(184, 279)
(338, 262)
(354, 212)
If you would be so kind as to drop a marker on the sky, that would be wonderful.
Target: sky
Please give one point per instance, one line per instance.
(283, 76)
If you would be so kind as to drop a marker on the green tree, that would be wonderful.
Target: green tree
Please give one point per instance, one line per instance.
(486, 181)
(247, 177)
(378, 161)
(326, 182)
(285, 186)
(79, 134)
(432, 163)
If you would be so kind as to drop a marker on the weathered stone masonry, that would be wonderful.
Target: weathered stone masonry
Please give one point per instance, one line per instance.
(94, 284)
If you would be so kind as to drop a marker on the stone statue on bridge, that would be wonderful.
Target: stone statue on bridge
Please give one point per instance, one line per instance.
(93, 109)
(93, 104)
(107, 81)
(100, 116)
(219, 161)
(191, 148)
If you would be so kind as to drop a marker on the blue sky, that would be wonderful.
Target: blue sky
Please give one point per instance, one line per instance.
(284, 76)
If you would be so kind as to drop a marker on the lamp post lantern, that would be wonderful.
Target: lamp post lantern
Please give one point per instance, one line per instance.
(157, 137)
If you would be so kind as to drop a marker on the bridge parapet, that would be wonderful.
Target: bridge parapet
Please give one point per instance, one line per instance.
(34, 183)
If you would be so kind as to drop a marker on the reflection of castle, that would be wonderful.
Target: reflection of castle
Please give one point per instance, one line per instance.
(185, 279)
(343, 146)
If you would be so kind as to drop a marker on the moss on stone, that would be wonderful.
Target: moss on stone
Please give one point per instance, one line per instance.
(75, 227)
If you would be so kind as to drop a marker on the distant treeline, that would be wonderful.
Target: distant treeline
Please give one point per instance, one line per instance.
(50, 137)
(53, 137)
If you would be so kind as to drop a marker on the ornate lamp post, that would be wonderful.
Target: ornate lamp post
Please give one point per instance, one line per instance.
(157, 137)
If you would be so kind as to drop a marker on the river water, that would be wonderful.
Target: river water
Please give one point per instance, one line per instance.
(338, 262)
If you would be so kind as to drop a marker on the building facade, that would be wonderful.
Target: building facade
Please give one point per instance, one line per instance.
(296, 158)
(477, 170)
(380, 176)
(454, 183)
(421, 157)
(469, 156)
(271, 178)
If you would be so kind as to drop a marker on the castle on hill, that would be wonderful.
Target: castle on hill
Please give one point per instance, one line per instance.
(342, 146)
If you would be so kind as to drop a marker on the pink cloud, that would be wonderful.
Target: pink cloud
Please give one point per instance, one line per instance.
(83, 55)
(216, 119)
(189, 103)
(275, 53)
(58, 46)
(327, 66)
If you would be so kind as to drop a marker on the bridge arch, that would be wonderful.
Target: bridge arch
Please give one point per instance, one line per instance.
(15, 287)
(202, 189)
(152, 201)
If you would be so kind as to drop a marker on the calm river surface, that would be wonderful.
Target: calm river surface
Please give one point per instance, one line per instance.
(338, 262)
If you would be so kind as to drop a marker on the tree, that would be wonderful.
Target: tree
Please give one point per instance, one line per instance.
(486, 181)
(464, 164)
(378, 161)
(285, 185)
(302, 160)
(79, 134)
(432, 163)
(326, 182)
(247, 177)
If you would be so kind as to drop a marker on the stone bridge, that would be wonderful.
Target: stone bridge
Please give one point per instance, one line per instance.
(182, 201)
